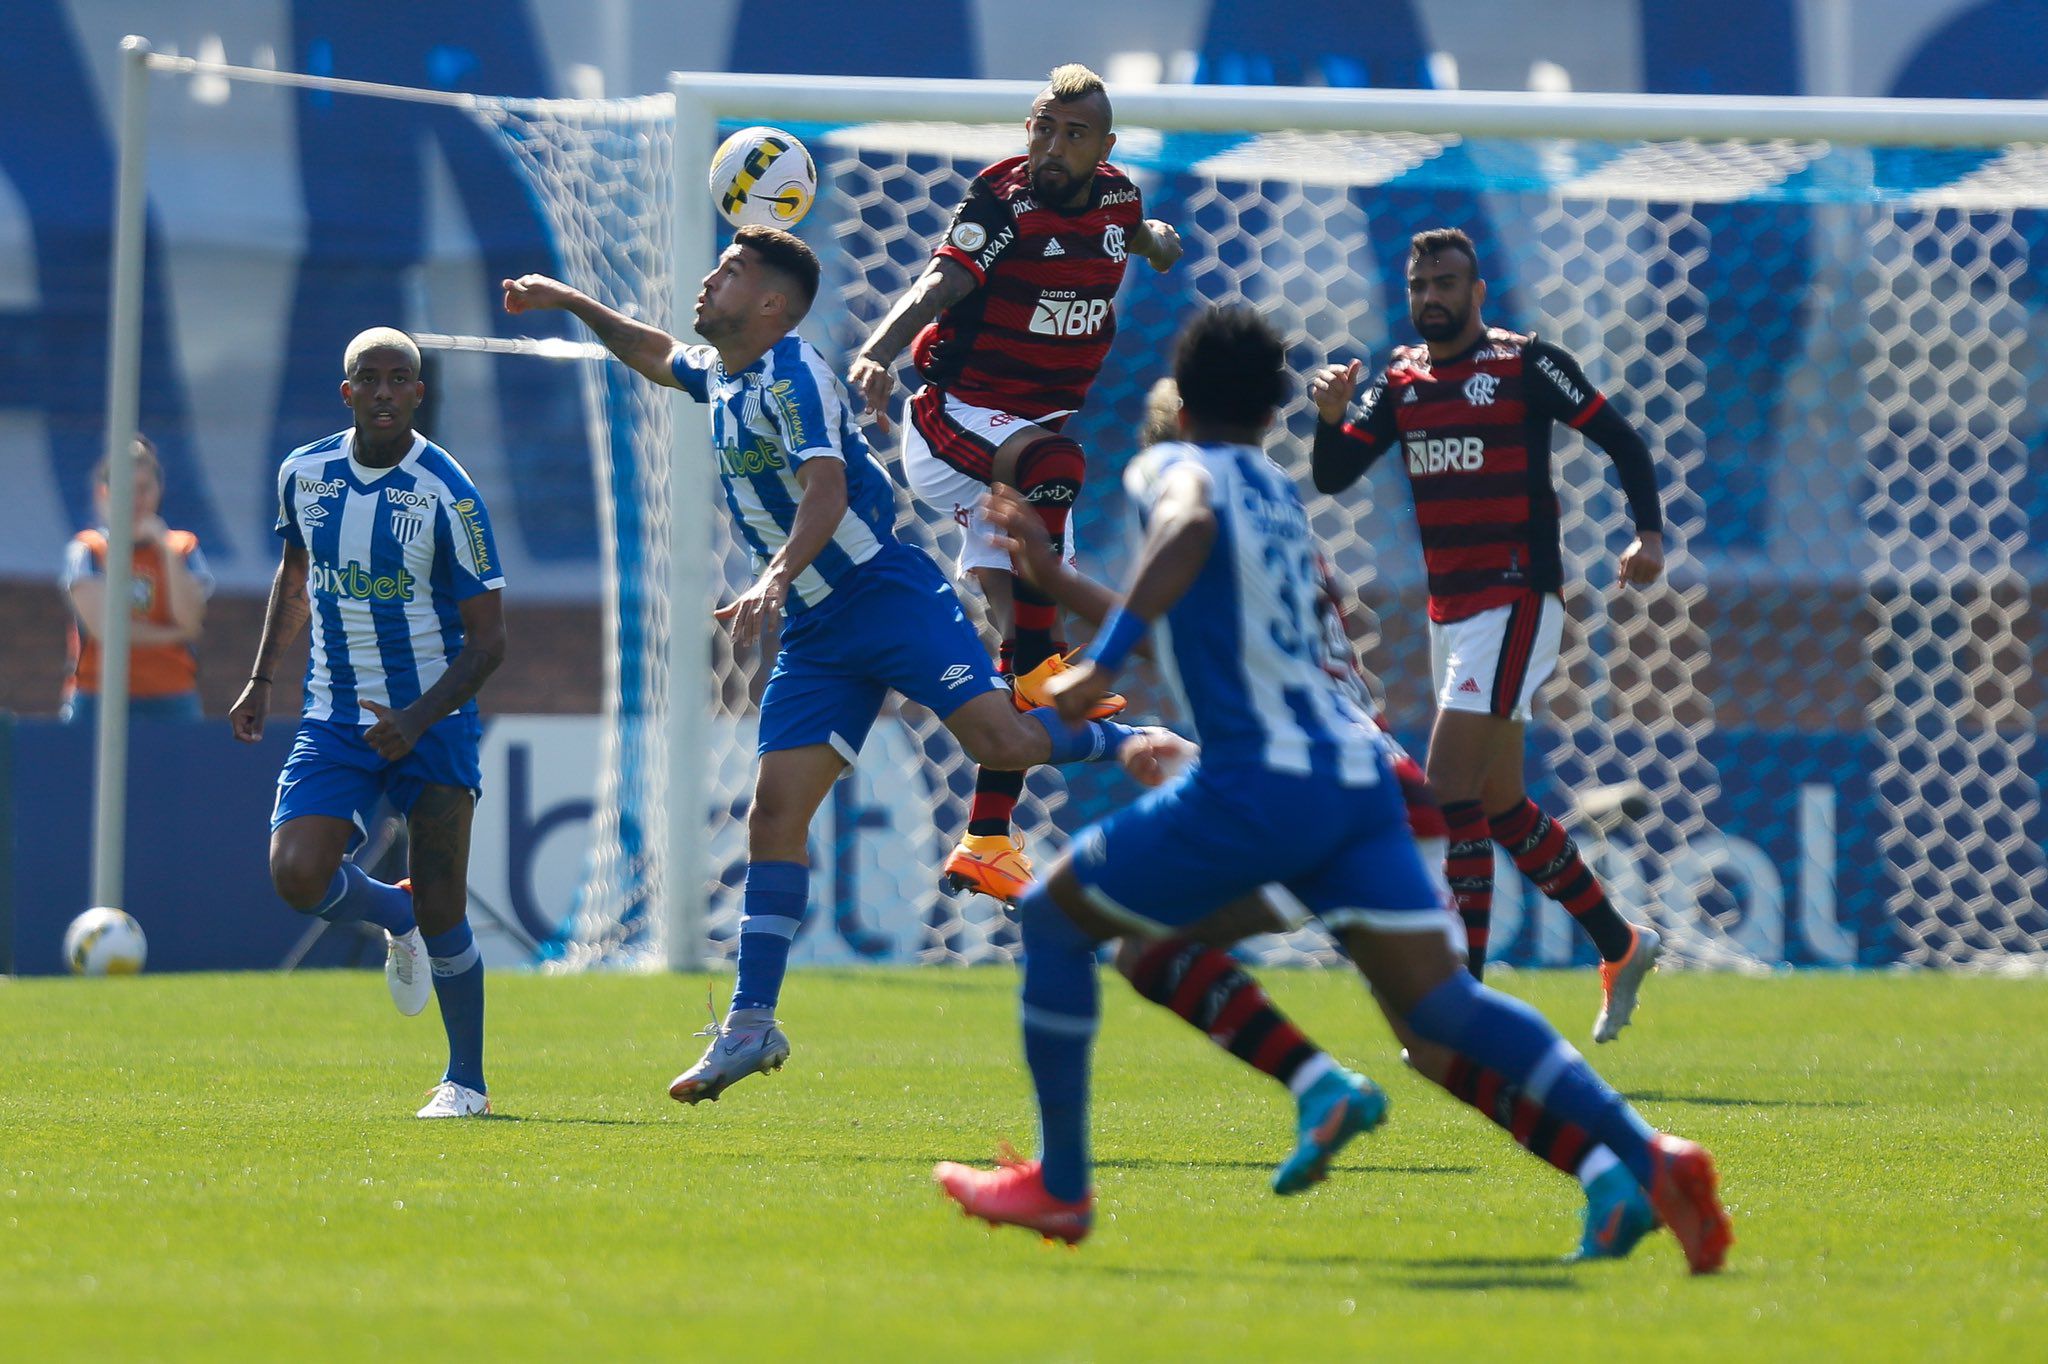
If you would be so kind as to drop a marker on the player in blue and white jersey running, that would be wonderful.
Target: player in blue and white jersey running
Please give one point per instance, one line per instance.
(864, 613)
(388, 556)
(1295, 788)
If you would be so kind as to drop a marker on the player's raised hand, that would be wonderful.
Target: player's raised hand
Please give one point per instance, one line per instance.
(1330, 388)
(876, 385)
(1166, 246)
(1073, 693)
(1153, 756)
(394, 734)
(1642, 563)
(529, 293)
(251, 709)
(750, 615)
(1015, 527)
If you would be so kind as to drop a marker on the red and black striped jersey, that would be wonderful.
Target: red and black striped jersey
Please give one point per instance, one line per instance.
(1476, 432)
(1032, 337)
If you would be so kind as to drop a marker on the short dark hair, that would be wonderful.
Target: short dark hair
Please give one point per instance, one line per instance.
(1231, 367)
(1438, 240)
(787, 253)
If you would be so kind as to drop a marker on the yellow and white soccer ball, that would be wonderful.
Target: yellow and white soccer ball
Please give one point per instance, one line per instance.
(763, 176)
(105, 942)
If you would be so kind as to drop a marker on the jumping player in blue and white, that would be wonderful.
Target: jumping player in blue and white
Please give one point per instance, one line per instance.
(1295, 787)
(864, 613)
(388, 555)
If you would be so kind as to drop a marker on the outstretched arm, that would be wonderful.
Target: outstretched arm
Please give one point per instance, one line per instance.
(1181, 532)
(944, 283)
(645, 349)
(1018, 529)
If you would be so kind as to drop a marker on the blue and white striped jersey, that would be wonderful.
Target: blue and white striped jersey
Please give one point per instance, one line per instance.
(1245, 646)
(390, 554)
(768, 419)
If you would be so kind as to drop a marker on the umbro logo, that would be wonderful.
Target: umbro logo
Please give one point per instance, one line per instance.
(313, 513)
(1053, 248)
(1468, 685)
(955, 675)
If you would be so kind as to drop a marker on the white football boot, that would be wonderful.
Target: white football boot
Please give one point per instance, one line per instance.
(406, 971)
(749, 1041)
(450, 1100)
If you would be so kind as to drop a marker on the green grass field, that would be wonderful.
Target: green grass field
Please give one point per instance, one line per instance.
(215, 1167)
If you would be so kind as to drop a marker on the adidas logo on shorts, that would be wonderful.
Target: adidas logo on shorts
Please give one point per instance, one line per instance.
(1469, 685)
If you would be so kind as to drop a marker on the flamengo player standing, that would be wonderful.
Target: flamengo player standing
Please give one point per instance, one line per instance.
(388, 553)
(1472, 409)
(1012, 320)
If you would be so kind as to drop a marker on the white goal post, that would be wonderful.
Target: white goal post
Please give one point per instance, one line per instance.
(704, 101)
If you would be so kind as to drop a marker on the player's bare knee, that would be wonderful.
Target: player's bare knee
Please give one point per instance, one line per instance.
(301, 877)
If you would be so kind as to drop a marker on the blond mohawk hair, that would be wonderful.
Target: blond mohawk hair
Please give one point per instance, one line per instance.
(1075, 81)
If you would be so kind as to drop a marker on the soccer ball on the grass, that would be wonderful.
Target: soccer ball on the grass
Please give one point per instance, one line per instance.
(763, 176)
(105, 942)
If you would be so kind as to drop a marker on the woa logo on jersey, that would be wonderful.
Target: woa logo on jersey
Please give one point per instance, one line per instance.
(357, 583)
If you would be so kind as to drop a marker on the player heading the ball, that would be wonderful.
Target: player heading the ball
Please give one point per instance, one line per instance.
(863, 613)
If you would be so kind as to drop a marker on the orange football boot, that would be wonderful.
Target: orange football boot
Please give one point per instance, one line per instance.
(1028, 691)
(1683, 1193)
(988, 864)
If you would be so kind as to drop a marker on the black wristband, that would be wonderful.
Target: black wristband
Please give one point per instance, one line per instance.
(259, 677)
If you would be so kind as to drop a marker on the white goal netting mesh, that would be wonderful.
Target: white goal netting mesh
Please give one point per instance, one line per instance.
(1828, 714)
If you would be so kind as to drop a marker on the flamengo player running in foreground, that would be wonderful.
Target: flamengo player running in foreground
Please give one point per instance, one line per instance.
(388, 552)
(1294, 787)
(1472, 410)
(866, 613)
(1012, 320)
(1187, 975)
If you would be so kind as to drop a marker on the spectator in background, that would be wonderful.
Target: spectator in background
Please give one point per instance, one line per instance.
(171, 584)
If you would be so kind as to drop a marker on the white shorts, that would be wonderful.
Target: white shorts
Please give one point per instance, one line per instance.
(971, 435)
(1492, 663)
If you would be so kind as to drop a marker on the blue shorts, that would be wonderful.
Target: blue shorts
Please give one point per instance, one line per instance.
(894, 623)
(1341, 853)
(331, 771)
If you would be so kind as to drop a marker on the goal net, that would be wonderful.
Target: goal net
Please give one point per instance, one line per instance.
(1816, 741)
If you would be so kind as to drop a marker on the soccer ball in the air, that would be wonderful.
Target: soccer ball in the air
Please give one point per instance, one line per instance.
(763, 176)
(104, 942)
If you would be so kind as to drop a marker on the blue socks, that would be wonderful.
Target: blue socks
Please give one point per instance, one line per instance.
(459, 989)
(771, 911)
(1061, 1006)
(353, 896)
(1092, 741)
(1507, 1035)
